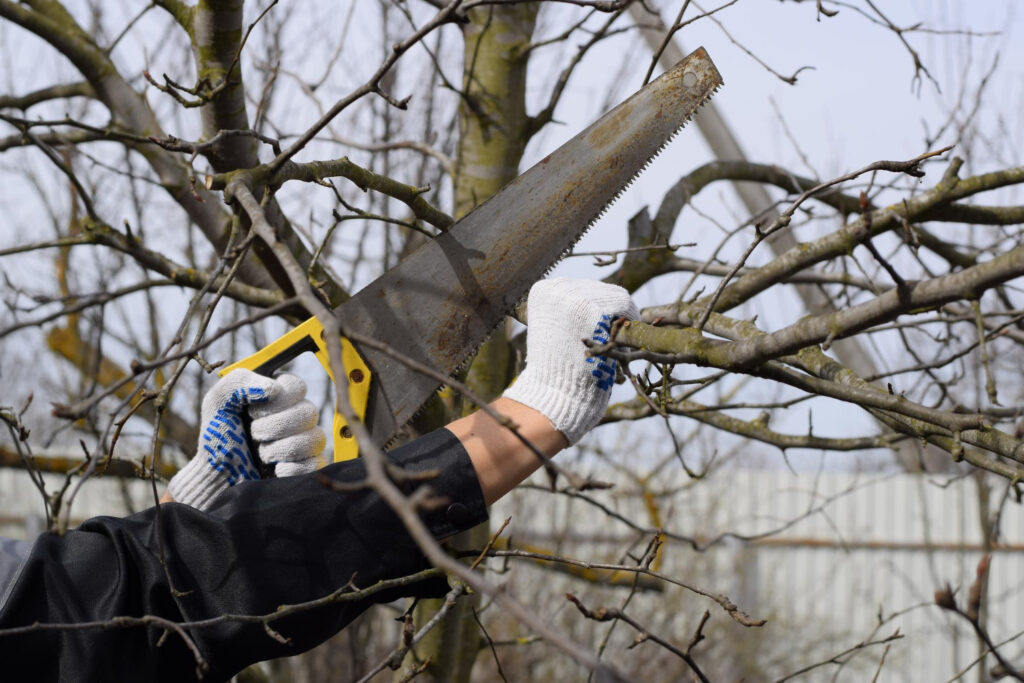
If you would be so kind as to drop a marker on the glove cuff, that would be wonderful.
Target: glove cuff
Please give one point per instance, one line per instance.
(568, 399)
(196, 484)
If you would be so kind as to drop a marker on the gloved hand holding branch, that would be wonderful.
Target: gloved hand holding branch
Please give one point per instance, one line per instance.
(560, 381)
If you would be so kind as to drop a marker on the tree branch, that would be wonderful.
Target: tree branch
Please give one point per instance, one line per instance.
(316, 171)
(54, 92)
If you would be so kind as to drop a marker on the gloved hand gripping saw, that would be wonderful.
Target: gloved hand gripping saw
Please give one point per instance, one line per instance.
(309, 338)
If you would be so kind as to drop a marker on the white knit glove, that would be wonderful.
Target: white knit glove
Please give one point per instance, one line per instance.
(560, 381)
(284, 429)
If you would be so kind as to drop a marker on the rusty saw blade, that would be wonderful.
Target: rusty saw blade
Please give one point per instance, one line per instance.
(440, 303)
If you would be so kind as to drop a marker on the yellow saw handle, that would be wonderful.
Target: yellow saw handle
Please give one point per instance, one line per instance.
(309, 337)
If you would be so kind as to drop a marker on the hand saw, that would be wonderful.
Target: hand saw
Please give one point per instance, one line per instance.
(441, 302)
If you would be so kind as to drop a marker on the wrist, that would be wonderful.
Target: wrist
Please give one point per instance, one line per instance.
(500, 459)
(570, 401)
(196, 484)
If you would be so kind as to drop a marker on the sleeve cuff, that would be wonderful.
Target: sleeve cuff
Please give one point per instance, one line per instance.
(455, 482)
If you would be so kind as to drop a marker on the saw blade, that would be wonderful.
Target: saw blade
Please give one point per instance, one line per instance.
(442, 301)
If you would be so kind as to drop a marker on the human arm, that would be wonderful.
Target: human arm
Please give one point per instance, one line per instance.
(273, 542)
(500, 458)
(263, 544)
(558, 398)
(562, 393)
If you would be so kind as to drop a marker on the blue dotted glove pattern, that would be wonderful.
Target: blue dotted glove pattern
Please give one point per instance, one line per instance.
(604, 368)
(223, 438)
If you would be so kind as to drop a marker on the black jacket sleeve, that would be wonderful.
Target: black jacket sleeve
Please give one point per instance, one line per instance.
(264, 544)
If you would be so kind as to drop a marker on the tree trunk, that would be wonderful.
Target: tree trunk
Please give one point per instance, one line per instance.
(492, 135)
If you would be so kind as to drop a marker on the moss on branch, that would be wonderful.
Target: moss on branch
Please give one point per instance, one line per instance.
(751, 429)
(750, 350)
(826, 377)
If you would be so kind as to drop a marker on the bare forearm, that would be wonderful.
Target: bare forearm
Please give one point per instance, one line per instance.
(500, 459)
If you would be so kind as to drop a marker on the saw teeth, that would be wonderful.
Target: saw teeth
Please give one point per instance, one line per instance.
(614, 197)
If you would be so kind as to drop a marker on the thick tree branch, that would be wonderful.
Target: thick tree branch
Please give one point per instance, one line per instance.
(217, 41)
(54, 92)
(929, 204)
(751, 429)
(944, 433)
(316, 171)
(915, 297)
(782, 221)
(182, 13)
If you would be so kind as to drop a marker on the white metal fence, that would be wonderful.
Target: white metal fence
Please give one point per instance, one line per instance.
(846, 549)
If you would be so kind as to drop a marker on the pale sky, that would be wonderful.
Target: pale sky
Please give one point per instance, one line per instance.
(859, 104)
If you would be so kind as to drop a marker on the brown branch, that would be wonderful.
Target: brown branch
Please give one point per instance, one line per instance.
(945, 599)
(723, 170)
(393, 660)
(62, 464)
(490, 644)
(317, 171)
(590, 574)
(545, 115)
(791, 79)
(724, 602)
(67, 343)
(689, 346)
(101, 233)
(447, 165)
(839, 658)
(751, 429)
(697, 543)
(445, 15)
(54, 92)
(948, 190)
(80, 192)
(615, 614)
(173, 144)
(78, 303)
(910, 167)
(812, 360)
(919, 66)
(130, 112)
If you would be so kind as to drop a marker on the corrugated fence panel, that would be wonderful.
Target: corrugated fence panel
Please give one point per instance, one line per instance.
(872, 545)
(861, 545)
